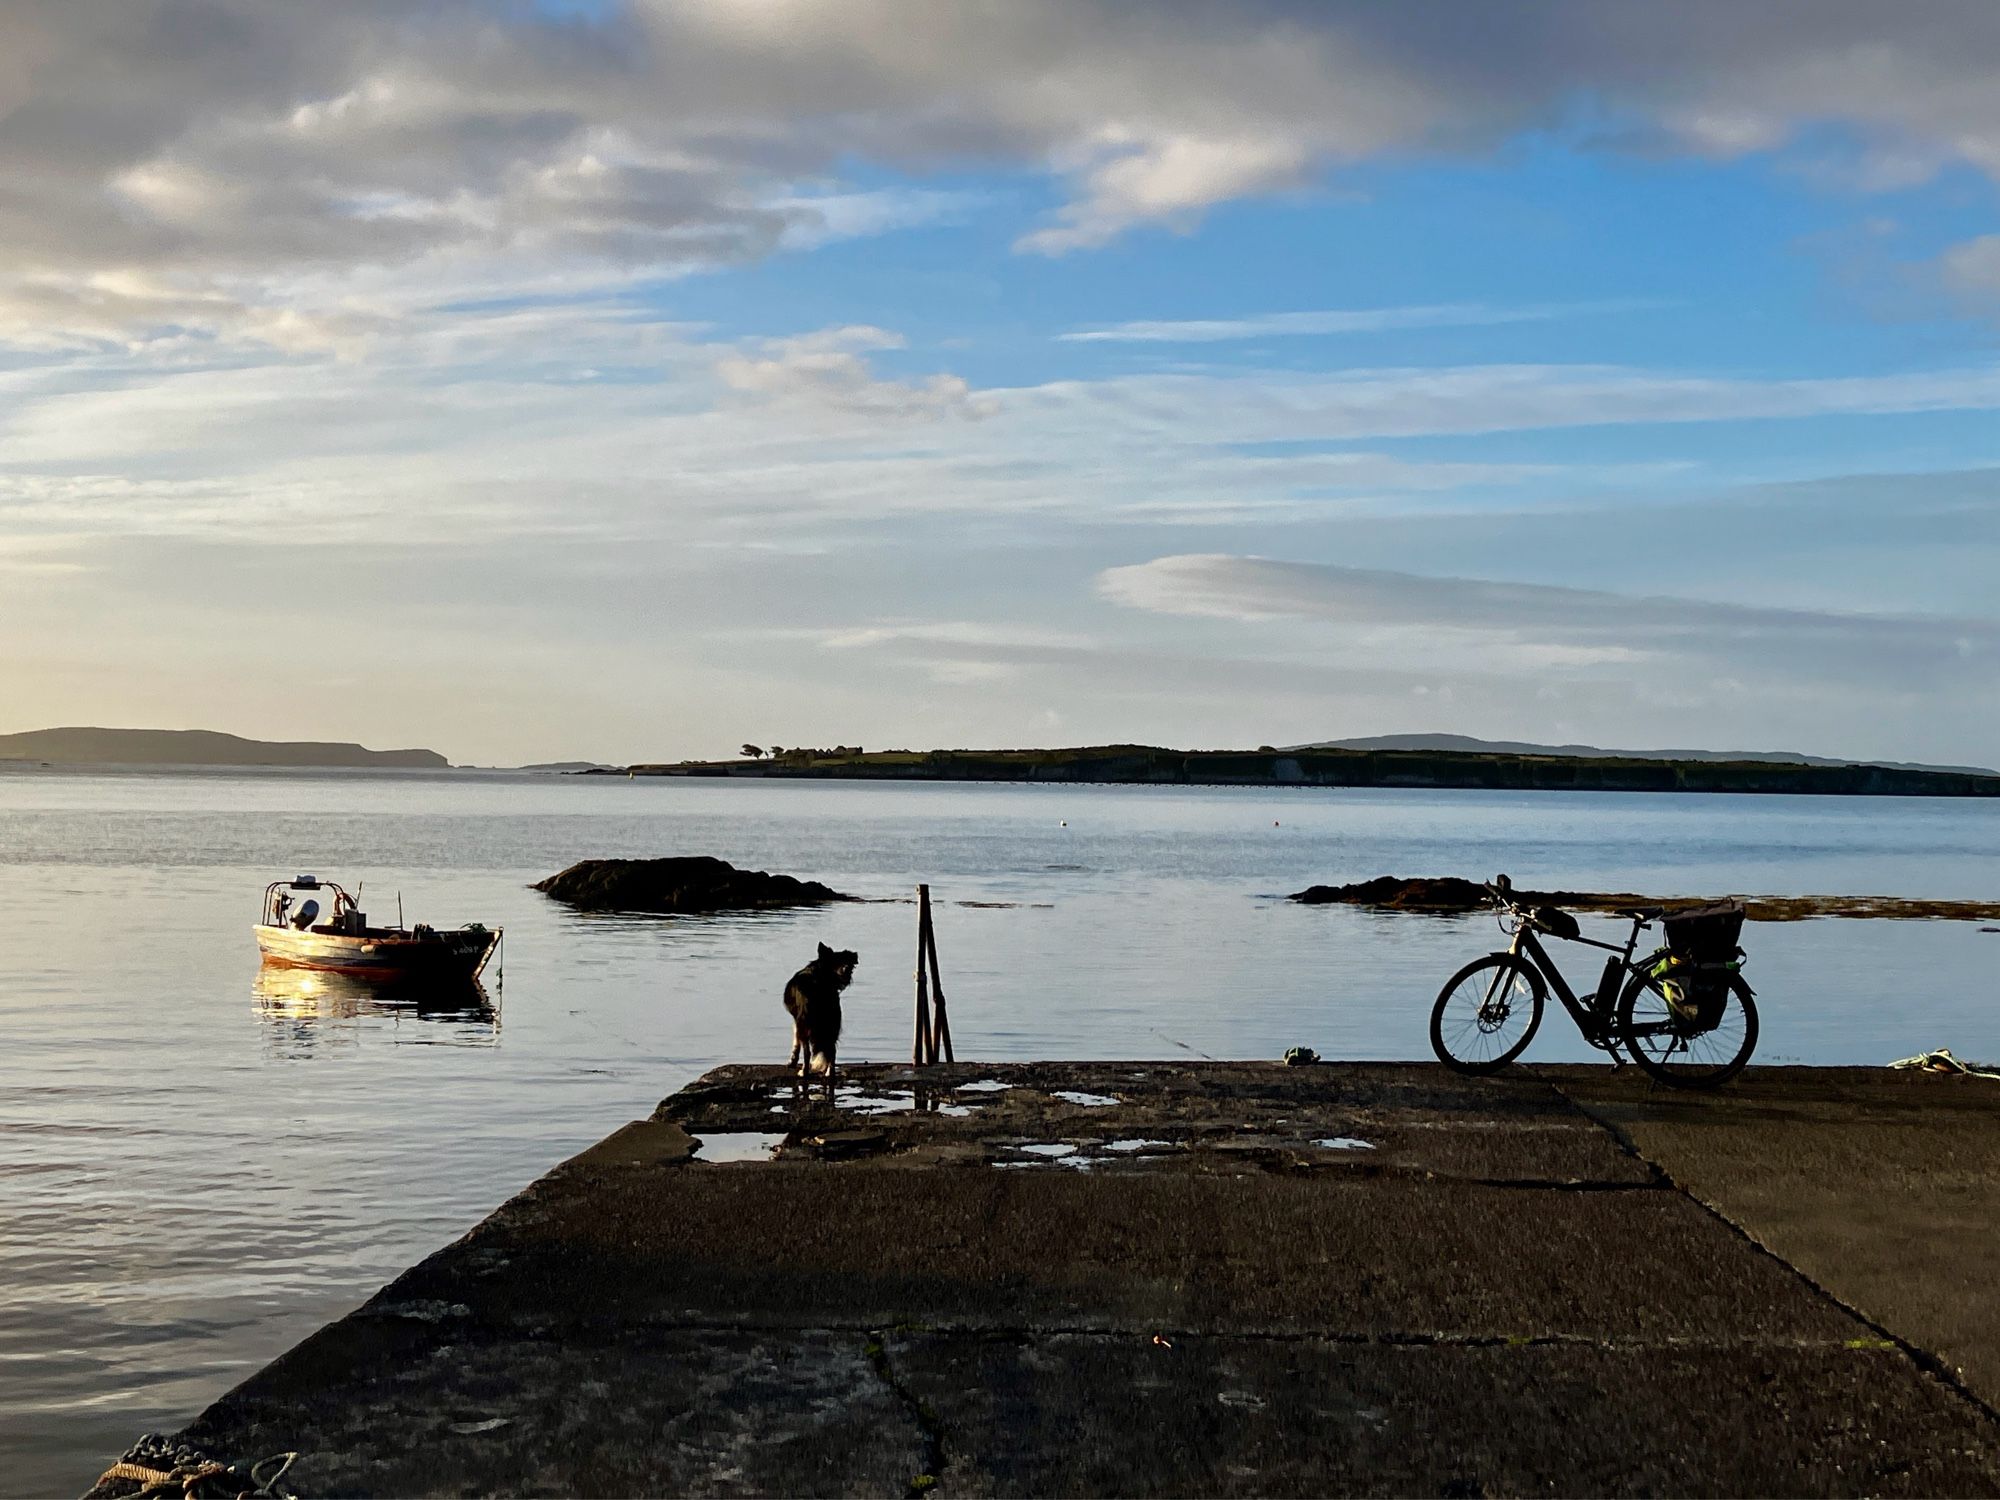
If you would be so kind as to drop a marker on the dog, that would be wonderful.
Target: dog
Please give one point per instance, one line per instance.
(813, 1001)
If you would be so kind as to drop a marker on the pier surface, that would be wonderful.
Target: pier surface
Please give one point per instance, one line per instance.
(1228, 1278)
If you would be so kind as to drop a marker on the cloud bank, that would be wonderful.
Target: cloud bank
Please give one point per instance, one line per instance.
(281, 173)
(1527, 628)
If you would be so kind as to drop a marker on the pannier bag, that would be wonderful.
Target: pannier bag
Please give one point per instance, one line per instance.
(1699, 961)
(1701, 958)
(1697, 994)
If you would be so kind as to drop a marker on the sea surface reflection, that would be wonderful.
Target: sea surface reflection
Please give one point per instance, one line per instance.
(201, 1162)
(305, 1011)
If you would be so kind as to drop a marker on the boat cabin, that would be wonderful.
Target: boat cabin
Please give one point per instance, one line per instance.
(302, 912)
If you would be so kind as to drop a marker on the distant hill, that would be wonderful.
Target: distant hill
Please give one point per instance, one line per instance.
(1465, 744)
(197, 747)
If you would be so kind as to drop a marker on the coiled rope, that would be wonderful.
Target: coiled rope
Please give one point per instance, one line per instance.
(193, 1475)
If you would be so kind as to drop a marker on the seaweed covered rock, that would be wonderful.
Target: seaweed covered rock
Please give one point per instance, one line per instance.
(1444, 893)
(689, 883)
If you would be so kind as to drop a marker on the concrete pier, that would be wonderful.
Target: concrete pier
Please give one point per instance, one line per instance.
(1228, 1278)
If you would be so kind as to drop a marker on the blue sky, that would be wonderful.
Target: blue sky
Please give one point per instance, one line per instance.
(630, 381)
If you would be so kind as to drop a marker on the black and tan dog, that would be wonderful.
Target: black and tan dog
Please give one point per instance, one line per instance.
(813, 1000)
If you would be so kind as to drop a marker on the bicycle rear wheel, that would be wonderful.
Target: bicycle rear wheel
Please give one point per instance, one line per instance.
(1486, 1014)
(1663, 1042)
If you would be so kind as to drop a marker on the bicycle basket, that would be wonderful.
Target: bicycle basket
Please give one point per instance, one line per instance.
(1705, 934)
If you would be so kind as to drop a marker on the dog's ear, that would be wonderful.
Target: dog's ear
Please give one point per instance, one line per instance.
(824, 951)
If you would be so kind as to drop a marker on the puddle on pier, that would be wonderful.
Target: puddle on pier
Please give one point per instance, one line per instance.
(857, 1099)
(861, 1101)
(1051, 1154)
(738, 1145)
(1089, 1101)
(1082, 1156)
(1345, 1143)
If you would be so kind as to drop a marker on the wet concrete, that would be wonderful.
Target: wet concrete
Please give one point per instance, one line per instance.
(1214, 1278)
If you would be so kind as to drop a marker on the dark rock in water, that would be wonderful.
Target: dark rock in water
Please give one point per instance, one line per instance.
(692, 883)
(1445, 893)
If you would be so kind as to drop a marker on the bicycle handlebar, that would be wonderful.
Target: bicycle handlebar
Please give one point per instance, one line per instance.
(1501, 889)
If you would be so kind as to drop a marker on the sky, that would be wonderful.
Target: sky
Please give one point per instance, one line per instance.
(634, 381)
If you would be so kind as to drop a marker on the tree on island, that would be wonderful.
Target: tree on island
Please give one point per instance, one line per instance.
(753, 752)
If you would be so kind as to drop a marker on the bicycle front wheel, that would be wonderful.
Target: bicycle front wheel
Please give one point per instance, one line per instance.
(1667, 1045)
(1486, 1014)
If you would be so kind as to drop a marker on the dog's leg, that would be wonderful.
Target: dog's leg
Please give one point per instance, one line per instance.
(797, 1042)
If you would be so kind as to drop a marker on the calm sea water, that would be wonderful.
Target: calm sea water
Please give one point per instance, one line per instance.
(199, 1165)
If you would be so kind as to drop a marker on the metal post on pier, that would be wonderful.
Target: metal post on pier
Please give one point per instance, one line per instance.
(923, 1049)
(933, 1034)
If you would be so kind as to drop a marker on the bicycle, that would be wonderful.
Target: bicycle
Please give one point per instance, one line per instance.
(1684, 1013)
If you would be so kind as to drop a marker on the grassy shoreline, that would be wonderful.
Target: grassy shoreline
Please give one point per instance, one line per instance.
(1154, 765)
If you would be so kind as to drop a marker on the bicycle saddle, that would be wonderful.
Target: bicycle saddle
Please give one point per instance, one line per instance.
(1641, 913)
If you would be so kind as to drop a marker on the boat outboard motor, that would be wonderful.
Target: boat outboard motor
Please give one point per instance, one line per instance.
(307, 915)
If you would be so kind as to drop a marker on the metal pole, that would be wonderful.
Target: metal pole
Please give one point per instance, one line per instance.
(940, 1026)
(922, 1049)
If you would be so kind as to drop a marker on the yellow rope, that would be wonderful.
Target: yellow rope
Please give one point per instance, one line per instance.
(189, 1478)
(134, 1471)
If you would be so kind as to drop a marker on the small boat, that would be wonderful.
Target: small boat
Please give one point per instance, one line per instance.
(291, 935)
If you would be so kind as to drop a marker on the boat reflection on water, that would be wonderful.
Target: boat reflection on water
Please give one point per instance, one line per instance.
(307, 1009)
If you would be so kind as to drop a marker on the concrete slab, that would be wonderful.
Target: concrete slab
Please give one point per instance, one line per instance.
(1389, 1118)
(596, 1411)
(1259, 1417)
(1263, 1249)
(1882, 1186)
(1115, 1277)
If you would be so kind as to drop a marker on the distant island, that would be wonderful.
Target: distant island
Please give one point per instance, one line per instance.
(198, 747)
(1467, 744)
(1493, 770)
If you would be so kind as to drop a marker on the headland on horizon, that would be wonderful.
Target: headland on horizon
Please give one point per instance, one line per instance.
(198, 747)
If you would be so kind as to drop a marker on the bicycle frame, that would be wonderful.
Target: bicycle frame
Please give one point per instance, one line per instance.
(1596, 1020)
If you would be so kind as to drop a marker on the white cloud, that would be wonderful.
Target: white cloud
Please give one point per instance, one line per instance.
(1170, 180)
(830, 369)
(1412, 402)
(1973, 268)
(593, 417)
(1329, 321)
(1522, 629)
(944, 633)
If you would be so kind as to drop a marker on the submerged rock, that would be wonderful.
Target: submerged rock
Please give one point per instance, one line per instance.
(1449, 894)
(689, 883)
